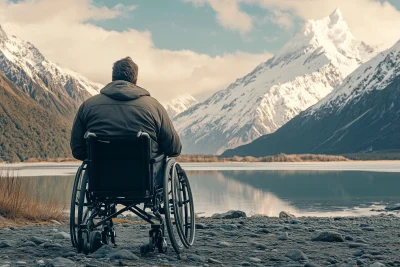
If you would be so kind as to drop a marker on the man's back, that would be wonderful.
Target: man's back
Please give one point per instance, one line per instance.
(122, 108)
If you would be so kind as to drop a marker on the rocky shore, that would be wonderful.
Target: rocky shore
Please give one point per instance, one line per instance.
(222, 240)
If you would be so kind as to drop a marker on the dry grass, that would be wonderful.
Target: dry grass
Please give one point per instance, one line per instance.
(276, 158)
(18, 204)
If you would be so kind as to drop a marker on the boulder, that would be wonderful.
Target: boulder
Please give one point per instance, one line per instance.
(286, 215)
(328, 236)
(232, 214)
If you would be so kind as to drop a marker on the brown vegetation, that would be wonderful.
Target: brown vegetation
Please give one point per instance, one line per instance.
(276, 158)
(18, 204)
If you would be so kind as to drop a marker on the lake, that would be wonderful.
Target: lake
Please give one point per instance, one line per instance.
(304, 189)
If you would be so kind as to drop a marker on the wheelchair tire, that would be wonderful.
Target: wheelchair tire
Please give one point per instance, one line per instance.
(189, 223)
(74, 205)
(168, 187)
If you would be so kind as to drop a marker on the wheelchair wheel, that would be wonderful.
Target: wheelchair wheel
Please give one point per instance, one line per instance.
(186, 206)
(84, 211)
(76, 192)
(170, 180)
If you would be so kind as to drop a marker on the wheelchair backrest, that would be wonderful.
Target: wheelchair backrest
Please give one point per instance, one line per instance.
(120, 166)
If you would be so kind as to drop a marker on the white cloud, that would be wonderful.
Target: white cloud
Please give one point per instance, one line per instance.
(283, 19)
(59, 30)
(229, 14)
(370, 20)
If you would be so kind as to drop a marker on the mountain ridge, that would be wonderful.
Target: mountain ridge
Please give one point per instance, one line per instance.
(360, 116)
(305, 70)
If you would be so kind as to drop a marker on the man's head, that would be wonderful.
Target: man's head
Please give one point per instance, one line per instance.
(125, 69)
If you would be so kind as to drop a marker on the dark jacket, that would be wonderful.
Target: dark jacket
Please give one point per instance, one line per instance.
(122, 108)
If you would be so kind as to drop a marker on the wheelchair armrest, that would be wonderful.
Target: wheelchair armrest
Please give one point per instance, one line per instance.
(157, 158)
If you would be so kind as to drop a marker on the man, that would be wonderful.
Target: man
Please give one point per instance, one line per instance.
(123, 108)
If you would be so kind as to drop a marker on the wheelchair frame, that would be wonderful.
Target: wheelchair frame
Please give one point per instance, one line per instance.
(173, 199)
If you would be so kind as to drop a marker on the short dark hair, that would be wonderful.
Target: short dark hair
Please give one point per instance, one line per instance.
(125, 69)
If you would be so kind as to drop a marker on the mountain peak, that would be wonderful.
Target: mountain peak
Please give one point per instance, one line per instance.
(3, 34)
(336, 16)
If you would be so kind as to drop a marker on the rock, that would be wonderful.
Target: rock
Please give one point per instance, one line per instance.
(52, 245)
(211, 260)
(245, 263)
(255, 260)
(357, 245)
(56, 222)
(224, 244)
(126, 225)
(7, 243)
(296, 255)
(29, 244)
(232, 214)
(201, 226)
(40, 262)
(2, 218)
(196, 258)
(101, 252)
(328, 236)
(393, 207)
(332, 260)
(349, 238)
(20, 263)
(61, 235)
(358, 253)
(377, 264)
(285, 215)
(60, 262)
(283, 236)
(310, 264)
(122, 255)
(258, 245)
(37, 240)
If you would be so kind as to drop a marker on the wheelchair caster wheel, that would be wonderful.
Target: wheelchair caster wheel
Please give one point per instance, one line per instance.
(85, 246)
(162, 245)
(95, 241)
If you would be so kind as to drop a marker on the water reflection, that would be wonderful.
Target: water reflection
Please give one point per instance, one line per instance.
(317, 193)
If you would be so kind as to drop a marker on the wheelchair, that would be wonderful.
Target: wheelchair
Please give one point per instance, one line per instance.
(119, 176)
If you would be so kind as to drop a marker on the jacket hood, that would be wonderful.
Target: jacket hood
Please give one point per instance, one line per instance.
(123, 91)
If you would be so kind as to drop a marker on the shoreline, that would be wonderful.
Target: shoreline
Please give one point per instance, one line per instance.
(62, 169)
(245, 241)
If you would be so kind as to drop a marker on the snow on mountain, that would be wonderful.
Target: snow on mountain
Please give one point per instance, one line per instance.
(376, 74)
(49, 84)
(359, 116)
(304, 71)
(180, 104)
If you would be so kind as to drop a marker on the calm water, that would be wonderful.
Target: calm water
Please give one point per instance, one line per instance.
(305, 192)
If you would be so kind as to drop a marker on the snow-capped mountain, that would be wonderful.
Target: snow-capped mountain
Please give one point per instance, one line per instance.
(53, 87)
(361, 115)
(180, 104)
(304, 71)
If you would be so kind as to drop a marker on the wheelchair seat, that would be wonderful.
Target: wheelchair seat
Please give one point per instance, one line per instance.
(120, 171)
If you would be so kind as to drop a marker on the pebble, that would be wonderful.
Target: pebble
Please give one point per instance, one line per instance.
(52, 245)
(224, 244)
(211, 260)
(29, 244)
(255, 260)
(196, 258)
(229, 227)
(61, 235)
(56, 222)
(61, 262)
(328, 236)
(7, 243)
(377, 264)
(232, 214)
(283, 236)
(357, 245)
(201, 226)
(368, 229)
(296, 255)
(37, 240)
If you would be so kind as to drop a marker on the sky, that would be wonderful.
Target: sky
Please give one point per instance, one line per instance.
(182, 46)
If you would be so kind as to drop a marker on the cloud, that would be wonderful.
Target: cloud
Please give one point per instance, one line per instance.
(61, 32)
(282, 19)
(229, 14)
(372, 21)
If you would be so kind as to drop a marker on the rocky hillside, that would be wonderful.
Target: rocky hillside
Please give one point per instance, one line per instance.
(304, 71)
(27, 130)
(57, 89)
(361, 115)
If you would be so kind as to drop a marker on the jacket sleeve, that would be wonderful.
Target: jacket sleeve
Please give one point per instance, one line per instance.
(168, 139)
(78, 143)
